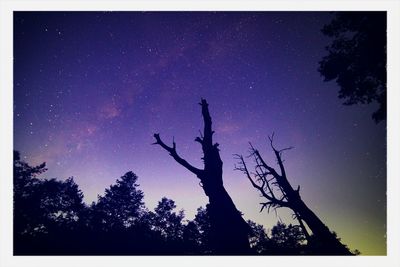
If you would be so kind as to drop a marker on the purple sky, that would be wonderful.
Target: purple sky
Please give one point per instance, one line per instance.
(90, 89)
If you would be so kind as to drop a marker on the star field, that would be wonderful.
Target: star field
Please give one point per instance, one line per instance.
(91, 88)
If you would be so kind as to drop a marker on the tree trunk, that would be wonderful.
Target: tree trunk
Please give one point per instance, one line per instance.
(229, 231)
(326, 242)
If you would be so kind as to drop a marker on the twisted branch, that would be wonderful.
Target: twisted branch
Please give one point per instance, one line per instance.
(174, 154)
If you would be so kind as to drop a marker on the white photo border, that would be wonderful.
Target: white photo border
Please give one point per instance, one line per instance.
(7, 7)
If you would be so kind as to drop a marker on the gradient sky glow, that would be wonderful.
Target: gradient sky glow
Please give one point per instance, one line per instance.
(91, 88)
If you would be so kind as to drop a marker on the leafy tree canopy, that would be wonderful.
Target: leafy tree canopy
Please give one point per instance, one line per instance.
(356, 58)
(166, 221)
(42, 204)
(122, 203)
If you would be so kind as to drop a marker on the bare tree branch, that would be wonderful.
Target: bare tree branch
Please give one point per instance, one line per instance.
(263, 163)
(273, 201)
(174, 154)
(278, 154)
(199, 139)
(288, 197)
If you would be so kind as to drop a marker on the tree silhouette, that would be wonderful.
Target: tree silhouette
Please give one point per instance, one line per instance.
(121, 205)
(25, 183)
(283, 240)
(278, 192)
(40, 205)
(167, 222)
(357, 58)
(43, 209)
(259, 240)
(61, 201)
(191, 239)
(287, 239)
(229, 229)
(203, 223)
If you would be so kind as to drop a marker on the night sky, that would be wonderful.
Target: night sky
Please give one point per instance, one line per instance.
(90, 89)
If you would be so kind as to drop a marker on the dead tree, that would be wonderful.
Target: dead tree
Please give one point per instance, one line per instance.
(278, 192)
(229, 229)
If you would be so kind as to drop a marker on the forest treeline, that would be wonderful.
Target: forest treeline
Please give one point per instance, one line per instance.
(50, 218)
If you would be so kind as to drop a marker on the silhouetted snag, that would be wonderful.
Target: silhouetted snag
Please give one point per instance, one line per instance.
(229, 230)
(270, 183)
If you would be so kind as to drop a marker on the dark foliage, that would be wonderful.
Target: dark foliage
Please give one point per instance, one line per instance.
(288, 239)
(40, 206)
(121, 206)
(166, 222)
(357, 58)
(283, 240)
(51, 219)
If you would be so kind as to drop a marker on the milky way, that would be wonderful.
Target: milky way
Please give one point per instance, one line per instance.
(90, 89)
